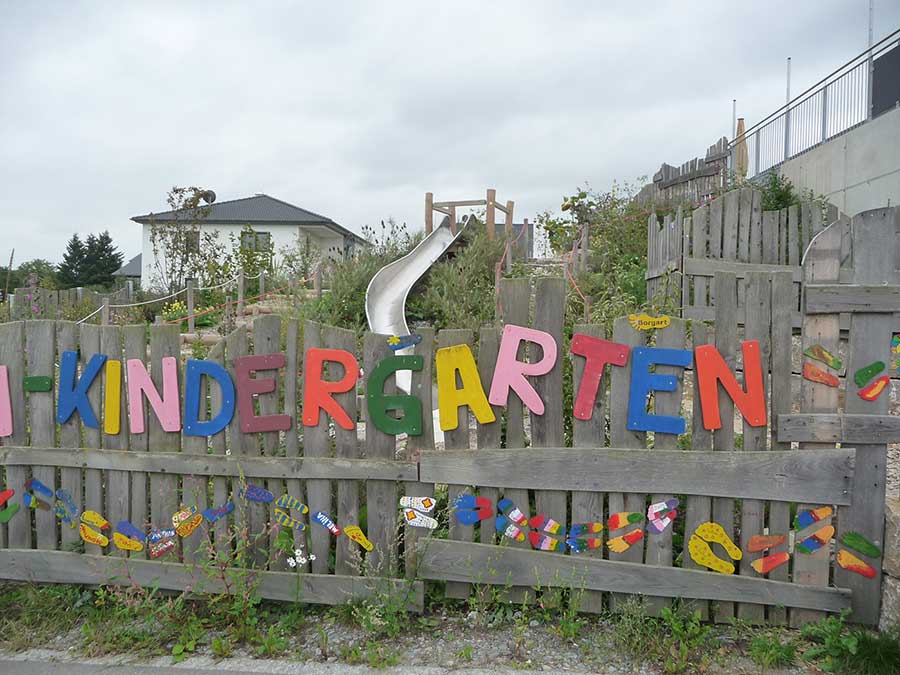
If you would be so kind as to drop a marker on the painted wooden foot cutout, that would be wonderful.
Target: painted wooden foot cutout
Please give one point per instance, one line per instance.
(768, 563)
(6, 495)
(806, 518)
(91, 536)
(356, 534)
(624, 542)
(874, 390)
(544, 543)
(761, 542)
(579, 529)
(702, 553)
(257, 494)
(851, 563)
(815, 374)
(513, 514)
(285, 519)
(126, 543)
(212, 515)
(33, 502)
(416, 519)
(7, 513)
(545, 524)
(579, 545)
(397, 342)
(507, 529)
(623, 518)
(860, 544)
(816, 540)
(469, 509)
(325, 521)
(819, 353)
(423, 504)
(291, 503)
(866, 373)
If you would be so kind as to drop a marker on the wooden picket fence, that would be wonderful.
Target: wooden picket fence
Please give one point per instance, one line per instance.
(358, 475)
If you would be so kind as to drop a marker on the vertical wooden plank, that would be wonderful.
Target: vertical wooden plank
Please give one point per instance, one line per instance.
(457, 439)
(93, 478)
(874, 262)
(698, 509)
(782, 400)
(217, 445)
(40, 346)
(293, 375)
(422, 388)
(805, 226)
(723, 438)
(588, 506)
(756, 228)
(118, 492)
(267, 340)
(770, 237)
(316, 443)
(688, 228)
(757, 323)
(348, 556)
(746, 206)
(716, 208)
(820, 265)
(489, 435)
(547, 429)
(135, 338)
(12, 355)
(698, 250)
(69, 437)
(793, 234)
(783, 237)
(621, 437)
(659, 546)
(381, 496)
(194, 488)
(730, 225)
(164, 490)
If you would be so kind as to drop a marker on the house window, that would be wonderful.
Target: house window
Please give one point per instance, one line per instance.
(255, 241)
(192, 241)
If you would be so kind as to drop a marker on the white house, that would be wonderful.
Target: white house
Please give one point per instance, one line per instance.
(272, 220)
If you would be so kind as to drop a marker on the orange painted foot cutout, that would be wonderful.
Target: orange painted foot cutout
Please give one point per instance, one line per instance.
(623, 543)
(760, 542)
(816, 540)
(873, 391)
(815, 374)
(851, 563)
(623, 518)
(806, 518)
(768, 563)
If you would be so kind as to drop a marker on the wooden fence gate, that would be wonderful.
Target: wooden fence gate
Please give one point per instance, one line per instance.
(572, 470)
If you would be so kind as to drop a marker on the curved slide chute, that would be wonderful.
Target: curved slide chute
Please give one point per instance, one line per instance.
(388, 289)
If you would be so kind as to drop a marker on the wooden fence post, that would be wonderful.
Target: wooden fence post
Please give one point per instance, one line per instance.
(490, 214)
(104, 311)
(429, 213)
(190, 305)
(240, 294)
(262, 283)
(509, 234)
(317, 281)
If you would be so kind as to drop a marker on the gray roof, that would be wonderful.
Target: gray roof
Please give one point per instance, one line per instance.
(130, 269)
(259, 209)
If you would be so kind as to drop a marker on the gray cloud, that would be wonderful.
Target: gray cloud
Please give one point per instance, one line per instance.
(356, 109)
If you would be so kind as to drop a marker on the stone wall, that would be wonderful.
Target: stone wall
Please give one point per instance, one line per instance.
(890, 589)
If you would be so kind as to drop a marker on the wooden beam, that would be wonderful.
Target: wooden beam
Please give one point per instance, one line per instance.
(500, 207)
(835, 298)
(441, 559)
(707, 267)
(442, 210)
(830, 428)
(74, 568)
(211, 465)
(821, 477)
(461, 202)
(489, 215)
(429, 212)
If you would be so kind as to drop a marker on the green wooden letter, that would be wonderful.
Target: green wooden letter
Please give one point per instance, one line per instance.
(379, 404)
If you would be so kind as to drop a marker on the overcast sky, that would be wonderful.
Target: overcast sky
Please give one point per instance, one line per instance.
(356, 109)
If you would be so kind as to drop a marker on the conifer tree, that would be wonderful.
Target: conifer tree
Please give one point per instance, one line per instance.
(71, 268)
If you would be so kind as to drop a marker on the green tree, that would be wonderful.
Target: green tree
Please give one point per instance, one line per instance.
(70, 270)
(102, 259)
(43, 271)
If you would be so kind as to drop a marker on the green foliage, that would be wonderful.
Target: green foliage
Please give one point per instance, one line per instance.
(221, 647)
(686, 640)
(70, 269)
(777, 192)
(769, 651)
(89, 263)
(271, 642)
(839, 648)
(877, 653)
(191, 633)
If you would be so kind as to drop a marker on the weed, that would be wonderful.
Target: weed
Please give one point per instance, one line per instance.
(769, 651)
(351, 654)
(686, 639)
(878, 654)
(520, 645)
(465, 654)
(221, 647)
(323, 642)
(834, 644)
(379, 656)
(187, 641)
(272, 642)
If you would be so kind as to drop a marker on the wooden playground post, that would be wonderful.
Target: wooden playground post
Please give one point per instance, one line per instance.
(240, 294)
(104, 311)
(190, 305)
(490, 213)
(429, 212)
(509, 234)
(452, 217)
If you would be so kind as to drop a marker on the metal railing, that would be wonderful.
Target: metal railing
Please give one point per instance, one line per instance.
(835, 104)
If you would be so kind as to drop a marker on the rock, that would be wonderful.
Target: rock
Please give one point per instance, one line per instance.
(890, 603)
(534, 623)
(472, 616)
(891, 561)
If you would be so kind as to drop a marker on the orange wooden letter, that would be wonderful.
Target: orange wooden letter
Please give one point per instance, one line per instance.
(317, 393)
(711, 368)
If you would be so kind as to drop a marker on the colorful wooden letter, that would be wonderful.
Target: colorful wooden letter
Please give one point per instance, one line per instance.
(643, 382)
(248, 386)
(597, 353)
(712, 369)
(72, 396)
(380, 403)
(317, 393)
(509, 373)
(6, 418)
(165, 407)
(448, 362)
(112, 398)
(194, 372)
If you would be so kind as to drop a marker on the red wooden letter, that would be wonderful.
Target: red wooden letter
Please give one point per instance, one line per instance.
(247, 386)
(711, 368)
(317, 393)
(597, 354)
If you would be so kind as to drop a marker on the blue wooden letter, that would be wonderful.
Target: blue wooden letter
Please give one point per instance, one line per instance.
(73, 396)
(643, 382)
(192, 402)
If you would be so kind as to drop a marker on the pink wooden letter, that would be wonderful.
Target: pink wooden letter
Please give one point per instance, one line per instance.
(165, 407)
(509, 373)
(6, 420)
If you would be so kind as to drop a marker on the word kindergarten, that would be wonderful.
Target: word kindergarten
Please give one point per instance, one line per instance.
(458, 384)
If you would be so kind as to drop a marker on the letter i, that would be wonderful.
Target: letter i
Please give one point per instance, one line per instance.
(112, 405)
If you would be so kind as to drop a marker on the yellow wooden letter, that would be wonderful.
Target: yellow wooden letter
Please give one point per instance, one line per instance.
(112, 405)
(459, 359)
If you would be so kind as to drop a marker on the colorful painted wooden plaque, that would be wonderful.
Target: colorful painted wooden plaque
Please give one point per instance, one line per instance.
(647, 322)
(37, 383)
(851, 563)
(874, 390)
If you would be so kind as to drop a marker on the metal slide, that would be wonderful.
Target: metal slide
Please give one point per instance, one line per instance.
(386, 294)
